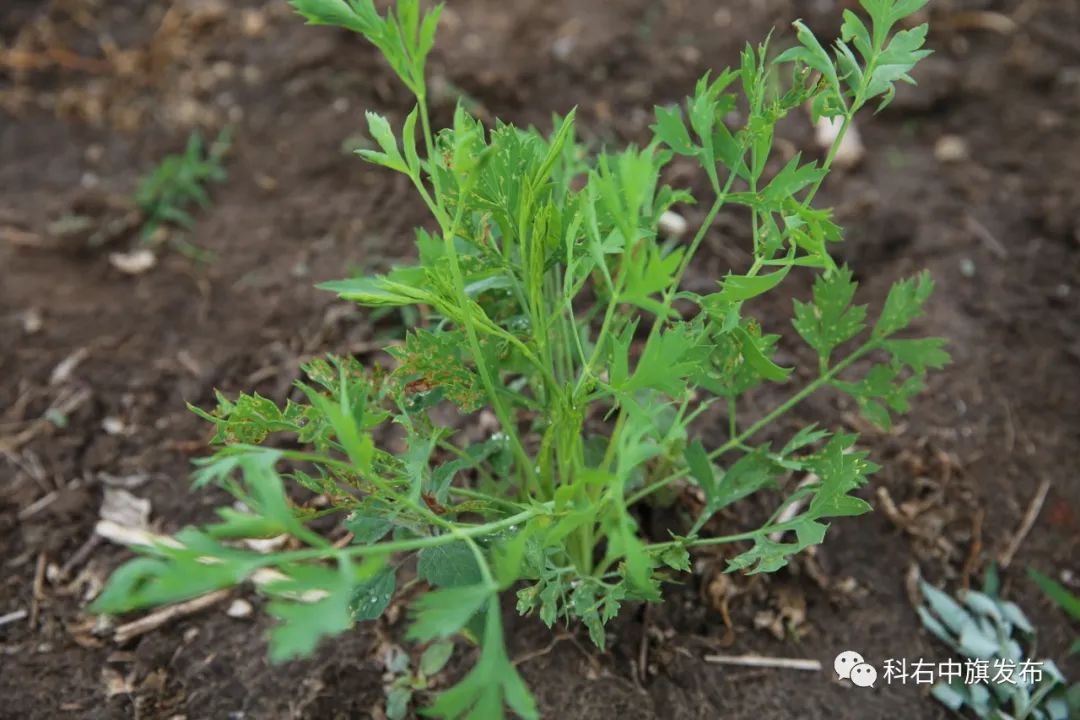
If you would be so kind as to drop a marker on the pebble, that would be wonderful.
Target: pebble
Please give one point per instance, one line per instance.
(253, 23)
(240, 609)
(951, 149)
(135, 262)
(32, 321)
(673, 225)
(112, 425)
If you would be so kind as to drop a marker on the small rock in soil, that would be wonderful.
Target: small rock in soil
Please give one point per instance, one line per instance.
(951, 149)
(135, 262)
(239, 609)
(113, 426)
(32, 321)
(673, 225)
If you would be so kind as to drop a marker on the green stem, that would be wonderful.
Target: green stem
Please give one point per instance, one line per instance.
(795, 399)
(738, 440)
(699, 237)
(505, 420)
(429, 144)
(459, 533)
(733, 420)
(829, 158)
(725, 539)
(477, 495)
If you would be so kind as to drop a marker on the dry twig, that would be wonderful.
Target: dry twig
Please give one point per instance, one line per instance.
(1006, 557)
(765, 662)
(38, 592)
(165, 615)
(12, 617)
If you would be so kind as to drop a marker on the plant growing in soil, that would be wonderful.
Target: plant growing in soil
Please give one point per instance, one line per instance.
(552, 300)
(983, 627)
(1062, 597)
(178, 182)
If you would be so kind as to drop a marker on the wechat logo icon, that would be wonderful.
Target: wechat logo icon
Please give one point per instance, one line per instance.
(850, 665)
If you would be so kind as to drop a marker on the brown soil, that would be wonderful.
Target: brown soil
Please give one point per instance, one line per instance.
(94, 93)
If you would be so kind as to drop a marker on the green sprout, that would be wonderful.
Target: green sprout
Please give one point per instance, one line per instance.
(166, 194)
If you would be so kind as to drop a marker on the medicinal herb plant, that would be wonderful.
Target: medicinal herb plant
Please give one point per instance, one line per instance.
(551, 300)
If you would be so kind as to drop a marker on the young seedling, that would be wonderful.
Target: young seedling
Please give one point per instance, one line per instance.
(550, 300)
(178, 182)
(405, 681)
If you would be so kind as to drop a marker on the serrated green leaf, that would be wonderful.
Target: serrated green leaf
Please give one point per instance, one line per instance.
(449, 565)
(919, 354)
(812, 54)
(670, 128)
(764, 367)
(345, 417)
(665, 362)
(508, 557)
(739, 288)
(831, 320)
(312, 602)
(649, 273)
(366, 528)
(473, 457)
(333, 12)
(792, 179)
(768, 556)
(441, 613)
(882, 390)
(549, 602)
(428, 27)
(371, 597)
(749, 474)
(383, 135)
(377, 292)
(677, 558)
(903, 304)
(895, 62)
(806, 436)
(494, 681)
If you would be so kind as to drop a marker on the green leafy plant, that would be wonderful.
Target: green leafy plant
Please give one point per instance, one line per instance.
(1060, 594)
(551, 300)
(983, 627)
(167, 192)
(406, 680)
